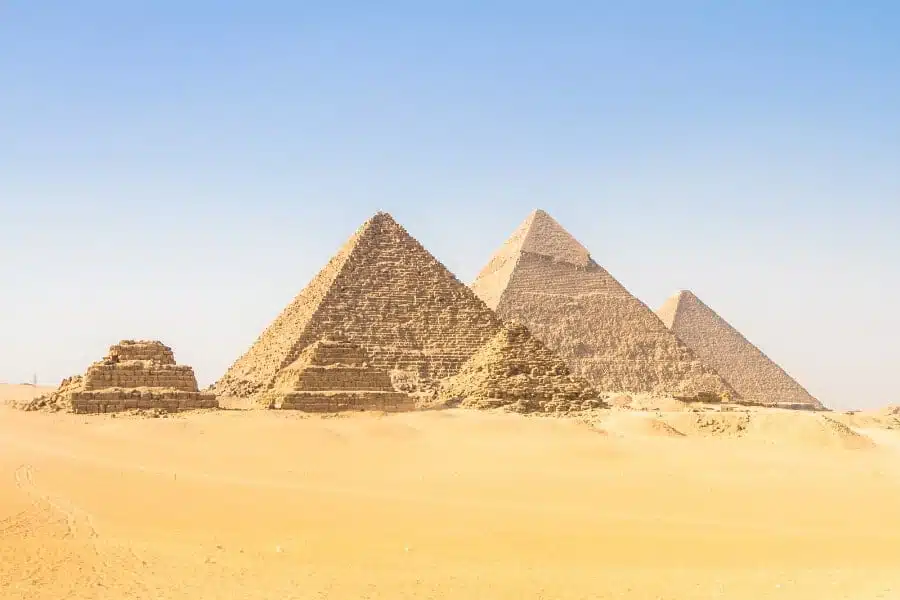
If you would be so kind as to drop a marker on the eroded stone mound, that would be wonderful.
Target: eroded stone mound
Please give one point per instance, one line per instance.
(332, 375)
(133, 375)
(515, 370)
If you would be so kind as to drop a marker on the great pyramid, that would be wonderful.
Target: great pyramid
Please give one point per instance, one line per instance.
(389, 296)
(515, 370)
(546, 279)
(333, 374)
(134, 375)
(751, 373)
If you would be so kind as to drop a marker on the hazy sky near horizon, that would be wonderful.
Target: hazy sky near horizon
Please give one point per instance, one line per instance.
(180, 170)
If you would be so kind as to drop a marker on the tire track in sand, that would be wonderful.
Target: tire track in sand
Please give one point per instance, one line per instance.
(107, 565)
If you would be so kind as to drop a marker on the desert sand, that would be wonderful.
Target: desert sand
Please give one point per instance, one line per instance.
(447, 504)
(22, 392)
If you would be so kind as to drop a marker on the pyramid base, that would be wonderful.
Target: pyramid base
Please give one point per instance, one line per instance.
(782, 405)
(118, 400)
(325, 402)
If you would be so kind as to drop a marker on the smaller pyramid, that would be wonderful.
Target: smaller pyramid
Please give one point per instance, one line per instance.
(333, 375)
(514, 370)
(751, 373)
(133, 375)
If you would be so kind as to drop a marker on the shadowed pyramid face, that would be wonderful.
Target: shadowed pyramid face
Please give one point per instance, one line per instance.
(543, 277)
(750, 372)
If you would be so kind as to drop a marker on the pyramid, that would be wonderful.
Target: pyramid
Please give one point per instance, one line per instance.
(333, 374)
(389, 296)
(546, 279)
(751, 373)
(133, 375)
(514, 370)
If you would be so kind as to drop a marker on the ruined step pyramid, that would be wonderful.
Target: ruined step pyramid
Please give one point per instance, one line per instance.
(333, 374)
(514, 370)
(133, 375)
(751, 373)
(389, 296)
(546, 279)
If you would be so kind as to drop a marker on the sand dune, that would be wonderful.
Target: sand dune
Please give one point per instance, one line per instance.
(887, 417)
(773, 427)
(813, 430)
(443, 504)
(628, 424)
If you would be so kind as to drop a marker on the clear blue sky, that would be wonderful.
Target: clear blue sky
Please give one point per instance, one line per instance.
(180, 170)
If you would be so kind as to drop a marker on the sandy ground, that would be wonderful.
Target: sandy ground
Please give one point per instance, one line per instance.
(22, 391)
(452, 504)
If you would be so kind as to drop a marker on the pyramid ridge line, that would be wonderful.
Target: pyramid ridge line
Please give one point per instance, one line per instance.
(543, 235)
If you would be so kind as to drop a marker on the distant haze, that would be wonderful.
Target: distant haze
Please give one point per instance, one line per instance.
(180, 172)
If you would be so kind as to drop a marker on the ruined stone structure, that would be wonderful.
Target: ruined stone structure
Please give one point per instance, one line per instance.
(514, 370)
(332, 375)
(756, 378)
(388, 296)
(134, 375)
(546, 279)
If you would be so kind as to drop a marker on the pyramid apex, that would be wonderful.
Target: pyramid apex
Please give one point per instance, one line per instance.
(546, 237)
(538, 235)
(383, 215)
(668, 312)
(378, 222)
(682, 295)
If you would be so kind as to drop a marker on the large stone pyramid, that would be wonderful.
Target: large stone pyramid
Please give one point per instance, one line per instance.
(546, 279)
(389, 296)
(751, 373)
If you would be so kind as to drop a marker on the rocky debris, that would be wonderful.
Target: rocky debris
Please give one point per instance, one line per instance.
(134, 375)
(544, 278)
(57, 400)
(753, 375)
(517, 372)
